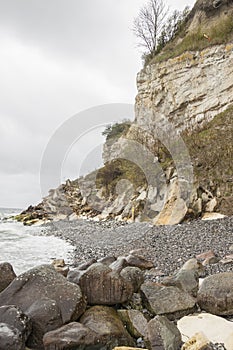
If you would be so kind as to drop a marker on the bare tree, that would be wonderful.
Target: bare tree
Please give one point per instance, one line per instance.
(149, 23)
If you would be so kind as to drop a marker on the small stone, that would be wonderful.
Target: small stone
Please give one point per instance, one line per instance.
(198, 342)
(205, 255)
(139, 261)
(134, 321)
(228, 259)
(211, 205)
(195, 265)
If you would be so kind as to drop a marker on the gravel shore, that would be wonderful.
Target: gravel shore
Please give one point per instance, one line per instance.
(169, 247)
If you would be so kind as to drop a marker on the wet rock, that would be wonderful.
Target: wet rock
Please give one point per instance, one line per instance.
(105, 321)
(102, 286)
(35, 292)
(216, 294)
(134, 321)
(10, 338)
(170, 301)
(162, 334)
(7, 275)
(134, 276)
(14, 317)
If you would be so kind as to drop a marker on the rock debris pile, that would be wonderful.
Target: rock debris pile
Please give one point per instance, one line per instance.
(110, 303)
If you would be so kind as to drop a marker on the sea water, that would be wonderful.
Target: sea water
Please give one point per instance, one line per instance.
(25, 247)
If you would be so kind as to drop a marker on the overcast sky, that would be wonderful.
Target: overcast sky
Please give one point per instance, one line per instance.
(58, 57)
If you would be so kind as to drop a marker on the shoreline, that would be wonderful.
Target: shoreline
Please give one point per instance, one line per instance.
(169, 247)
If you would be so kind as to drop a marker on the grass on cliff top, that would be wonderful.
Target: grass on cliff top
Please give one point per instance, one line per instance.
(220, 33)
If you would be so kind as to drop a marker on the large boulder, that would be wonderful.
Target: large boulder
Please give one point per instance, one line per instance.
(10, 338)
(102, 331)
(215, 328)
(47, 297)
(103, 286)
(46, 315)
(106, 323)
(162, 334)
(7, 275)
(14, 317)
(170, 301)
(71, 336)
(216, 294)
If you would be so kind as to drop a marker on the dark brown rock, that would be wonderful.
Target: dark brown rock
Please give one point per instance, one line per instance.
(119, 264)
(29, 292)
(10, 338)
(14, 317)
(86, 264)
(170, 301)
(108, 260)
(216, 294)
(71, 336)
(102, 286)
(133, 275)
(75, 275)
(139, 261)
(134, 321)
(104, 321)
(7, 275)
(186, 280)
(45, 315)
(162, 334)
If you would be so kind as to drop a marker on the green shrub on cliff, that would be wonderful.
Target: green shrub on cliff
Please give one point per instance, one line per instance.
(116, 130)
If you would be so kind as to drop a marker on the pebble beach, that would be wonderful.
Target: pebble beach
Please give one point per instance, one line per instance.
(169, 247)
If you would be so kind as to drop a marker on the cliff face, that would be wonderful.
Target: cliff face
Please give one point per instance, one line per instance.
(188, 90)
(175, 161)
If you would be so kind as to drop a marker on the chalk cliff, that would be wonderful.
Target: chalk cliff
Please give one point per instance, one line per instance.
(175, 161)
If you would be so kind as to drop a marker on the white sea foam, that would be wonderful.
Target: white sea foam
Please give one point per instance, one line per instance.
(24, 248)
